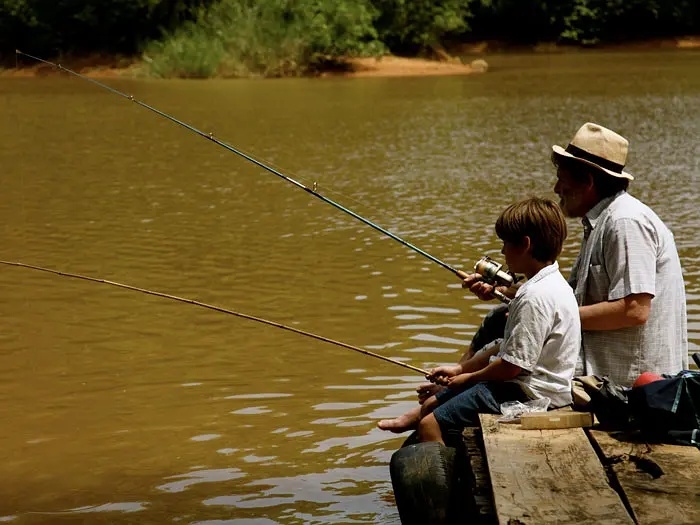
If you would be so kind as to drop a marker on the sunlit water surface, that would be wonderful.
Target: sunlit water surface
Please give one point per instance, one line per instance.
(120, 407)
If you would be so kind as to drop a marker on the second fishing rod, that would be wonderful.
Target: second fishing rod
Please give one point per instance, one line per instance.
(491, 271)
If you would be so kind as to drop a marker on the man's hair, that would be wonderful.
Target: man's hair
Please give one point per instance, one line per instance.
(540, 219)
(606, 185)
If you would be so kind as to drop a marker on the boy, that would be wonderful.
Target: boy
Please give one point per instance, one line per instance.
(542, 339)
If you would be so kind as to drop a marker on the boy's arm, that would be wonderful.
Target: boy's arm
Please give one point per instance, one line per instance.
(480, 360)
(484, 291)
(496, 370)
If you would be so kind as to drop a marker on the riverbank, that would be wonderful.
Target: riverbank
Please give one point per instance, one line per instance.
(386, 66)
(474, 59)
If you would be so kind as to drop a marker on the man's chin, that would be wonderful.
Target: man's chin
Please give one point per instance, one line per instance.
(566, 210)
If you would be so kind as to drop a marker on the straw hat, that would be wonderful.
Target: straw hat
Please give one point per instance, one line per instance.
(598, 147)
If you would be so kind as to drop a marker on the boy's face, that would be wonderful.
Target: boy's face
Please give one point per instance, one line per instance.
(515, 254)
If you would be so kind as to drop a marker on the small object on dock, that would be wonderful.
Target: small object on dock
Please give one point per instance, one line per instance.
(555, 419)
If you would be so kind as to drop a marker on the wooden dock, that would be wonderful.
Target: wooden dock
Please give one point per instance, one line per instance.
(577, 475)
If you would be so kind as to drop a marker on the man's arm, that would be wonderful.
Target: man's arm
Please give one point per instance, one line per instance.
(629, 251)
(632, 310)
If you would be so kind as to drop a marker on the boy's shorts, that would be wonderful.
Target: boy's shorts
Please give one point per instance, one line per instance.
(462, 409)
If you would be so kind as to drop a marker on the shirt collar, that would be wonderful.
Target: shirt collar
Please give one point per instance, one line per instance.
(591, 218)
(544, 272)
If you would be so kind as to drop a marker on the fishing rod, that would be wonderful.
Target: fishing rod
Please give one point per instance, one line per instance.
(218, 309)
(212, 138)
(459, 273)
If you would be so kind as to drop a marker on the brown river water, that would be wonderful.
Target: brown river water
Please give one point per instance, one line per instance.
(120, 407)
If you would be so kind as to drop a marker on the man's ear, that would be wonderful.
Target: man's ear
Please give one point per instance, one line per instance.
(527, 244)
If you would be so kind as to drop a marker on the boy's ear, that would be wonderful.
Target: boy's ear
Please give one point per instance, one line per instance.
(527, 243)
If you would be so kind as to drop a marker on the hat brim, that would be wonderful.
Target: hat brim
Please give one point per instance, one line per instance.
(562, 152)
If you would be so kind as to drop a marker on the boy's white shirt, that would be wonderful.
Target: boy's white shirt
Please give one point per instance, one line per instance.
(543, 336)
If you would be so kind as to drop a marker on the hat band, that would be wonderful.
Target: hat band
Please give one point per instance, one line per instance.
(595, 159)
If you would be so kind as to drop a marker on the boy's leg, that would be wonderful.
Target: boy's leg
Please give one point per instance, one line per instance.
(463, 409)
(429, 430)
(406, 421)
(410, 419)
(491, 328)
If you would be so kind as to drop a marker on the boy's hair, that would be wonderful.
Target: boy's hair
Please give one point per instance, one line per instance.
(540, 219)
(606, 185)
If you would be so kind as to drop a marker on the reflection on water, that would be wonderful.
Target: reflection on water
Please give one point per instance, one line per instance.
(120, 407)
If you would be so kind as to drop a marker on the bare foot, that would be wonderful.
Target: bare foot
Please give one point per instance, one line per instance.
(399, 424)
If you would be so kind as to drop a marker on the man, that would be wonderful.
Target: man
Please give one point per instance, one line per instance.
(627, 277)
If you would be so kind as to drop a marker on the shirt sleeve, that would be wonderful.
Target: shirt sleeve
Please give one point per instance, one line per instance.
(528, 331)
(630, 258)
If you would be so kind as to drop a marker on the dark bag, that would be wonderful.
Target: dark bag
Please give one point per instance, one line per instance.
(606, 399)
(668, 410)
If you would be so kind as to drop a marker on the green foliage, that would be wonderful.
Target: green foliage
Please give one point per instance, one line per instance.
(414, 26)
(581, 24)
(593, 21)
(517, 21)
(272, 38)
(200, 38)
(83, 26)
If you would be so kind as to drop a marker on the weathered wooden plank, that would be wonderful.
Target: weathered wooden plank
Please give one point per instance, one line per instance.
(661, 482)
(548, 476)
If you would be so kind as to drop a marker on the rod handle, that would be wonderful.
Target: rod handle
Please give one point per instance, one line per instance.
(501, 296)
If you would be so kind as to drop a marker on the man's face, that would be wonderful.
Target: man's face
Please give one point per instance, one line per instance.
(572, 194)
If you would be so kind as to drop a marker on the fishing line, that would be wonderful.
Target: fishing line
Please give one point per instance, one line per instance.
(311, 190)
(218, 309)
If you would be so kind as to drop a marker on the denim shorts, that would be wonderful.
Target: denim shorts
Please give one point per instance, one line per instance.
(462, 409)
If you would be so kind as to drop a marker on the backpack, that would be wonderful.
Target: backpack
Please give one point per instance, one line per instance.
(668, 410)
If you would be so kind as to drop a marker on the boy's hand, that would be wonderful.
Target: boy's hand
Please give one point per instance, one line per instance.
(440, 374)
(461, 380)
(427, 390)
(478, 287)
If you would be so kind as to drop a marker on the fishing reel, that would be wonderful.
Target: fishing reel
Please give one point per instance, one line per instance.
(492, 273)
